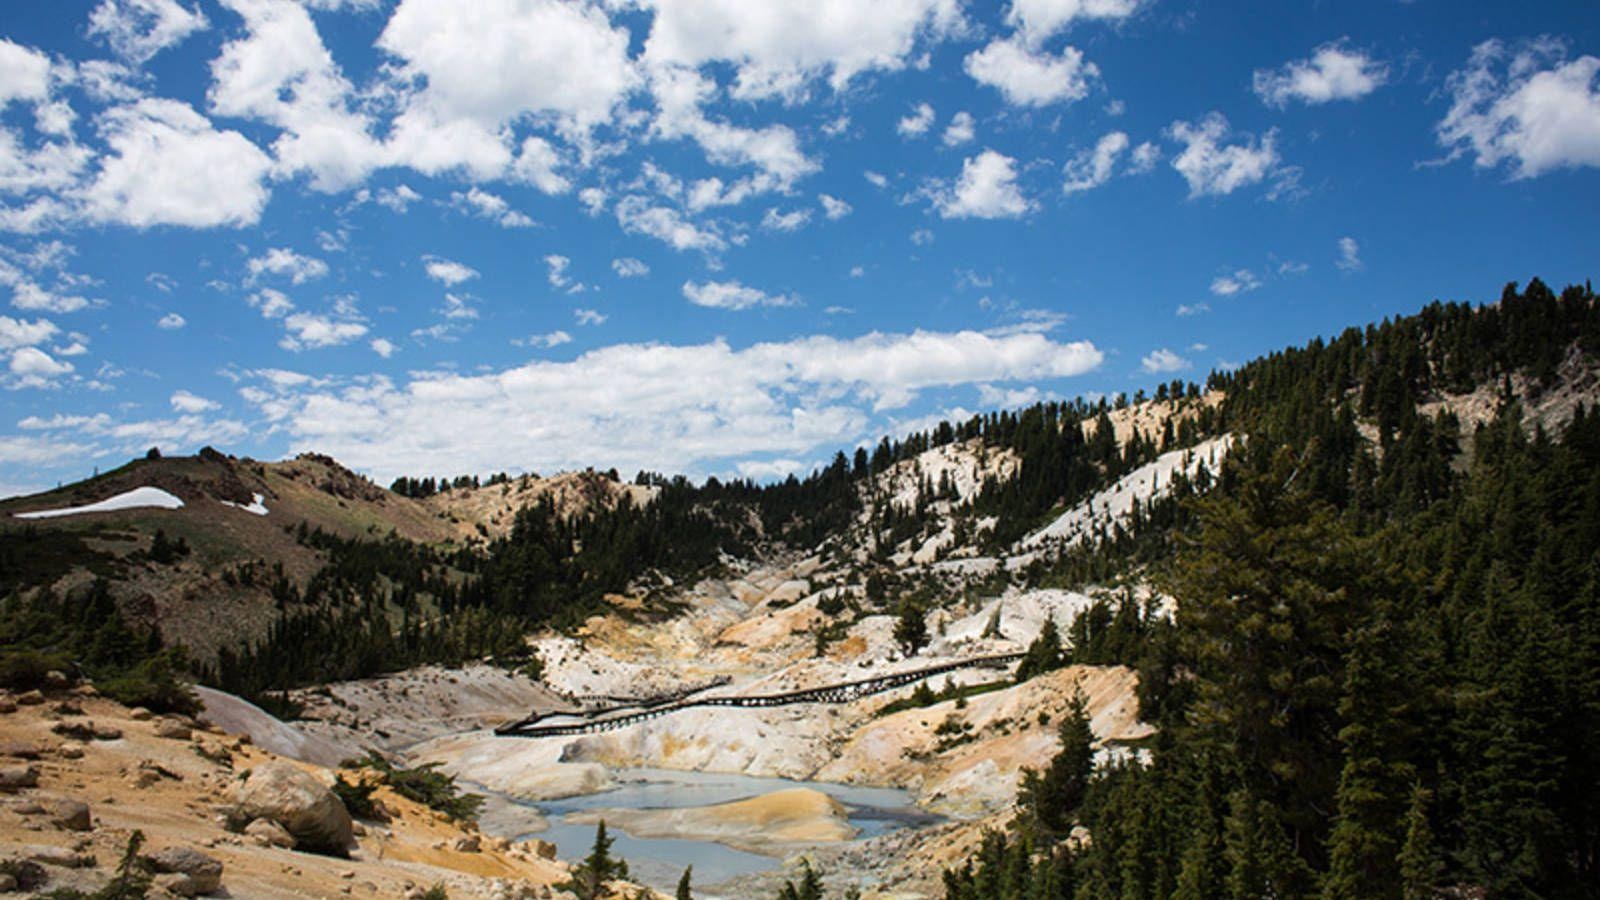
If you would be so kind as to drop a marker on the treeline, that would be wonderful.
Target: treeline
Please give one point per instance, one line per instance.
(1383, 679)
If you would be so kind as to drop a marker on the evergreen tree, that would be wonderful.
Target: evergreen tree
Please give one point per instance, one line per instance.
(685, 891)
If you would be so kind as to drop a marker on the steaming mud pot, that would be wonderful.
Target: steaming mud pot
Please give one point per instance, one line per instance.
(724, 825)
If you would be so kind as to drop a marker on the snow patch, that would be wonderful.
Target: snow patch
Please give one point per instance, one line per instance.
(138, 498)
(257, 504)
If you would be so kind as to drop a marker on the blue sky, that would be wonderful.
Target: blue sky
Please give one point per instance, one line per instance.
(716, 236)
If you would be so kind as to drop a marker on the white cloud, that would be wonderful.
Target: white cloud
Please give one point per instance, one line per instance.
(876, 179)
(24, 74)
(137, 30)
(1193, 309)
(1092, 168)
(447, 272)
(987, 189)
(628, 267)
(918, 122)
(170, 167)
(33, 368)
(16, 333)
(833, 207)
(308, 331)
(171, 322)
(960, 130)
(1163, 361)
(558, 276)
(1213, 167)
(458, 306)
(732, 295)
(589, 316)
(1333, 72)
(855, 272)
(774, 149)
(397, 199)
(383, 347)
(1029, 77)
(285, 263)
(922, 237)
(279, 72)
(637, 215)
(270, 303)
(1349, 255)
(1040, 19)
(538, 164)
(487, 205)
(794, 220)
(547, 341)
(654, 406)
(186, 402)
(778, 46)
(1241, 282)
(1540, 115)
(508, 60)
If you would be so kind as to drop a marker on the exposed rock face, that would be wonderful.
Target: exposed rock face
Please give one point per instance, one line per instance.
(300, 803)
(186, 872)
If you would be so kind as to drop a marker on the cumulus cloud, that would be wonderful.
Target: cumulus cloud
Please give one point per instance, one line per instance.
(732, 295)
(383, 347)
(1163, 361)
(24, 74)
(483, 204)
(1193, 309)
(1530, 109)
(638, 215)
(465, 76)
(279, 72)
(1334, 72)
(137, 30)
(448, 272)
(1242, 281)
(16, 333)
(775, 149)
(1092, 168)
(589, 316)
(309, 331)
(31, 367)
(793, 220)
(833, 207)
(987, 189)
(548, 340)
(918, 122)
(961, 130)
(653, 406)
(187, 402)
(1213, 167)
(628, 267)
(1030, 77)
(169, 166)
(778, 46)
(1040, 19)
(285, 263)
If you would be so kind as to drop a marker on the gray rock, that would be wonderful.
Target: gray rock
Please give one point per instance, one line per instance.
(72, 815)
(20, 749)
(304, 806)
(15, 778)
(267, 833)
(468, 844)
(168, 728)
(7, 705)
(63, 857)
(202, 874)
(30, 698)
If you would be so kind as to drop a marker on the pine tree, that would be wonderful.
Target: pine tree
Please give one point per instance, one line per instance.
(590, 877)
(1419, 856)
(1044, 654)
(911, 628)
(1051, 798)
(685, 892)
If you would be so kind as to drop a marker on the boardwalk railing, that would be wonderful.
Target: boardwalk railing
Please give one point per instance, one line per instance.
(843, 692)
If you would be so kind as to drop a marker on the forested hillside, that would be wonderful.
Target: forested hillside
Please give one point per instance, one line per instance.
(1384, 675)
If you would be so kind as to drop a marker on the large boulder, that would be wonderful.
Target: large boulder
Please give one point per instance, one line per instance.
(304, 806)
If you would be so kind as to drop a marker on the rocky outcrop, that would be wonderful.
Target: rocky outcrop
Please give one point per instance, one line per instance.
(185, 872)
(302, 805)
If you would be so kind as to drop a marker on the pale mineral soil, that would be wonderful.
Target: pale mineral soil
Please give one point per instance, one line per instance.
(771, 824)
(173, 788)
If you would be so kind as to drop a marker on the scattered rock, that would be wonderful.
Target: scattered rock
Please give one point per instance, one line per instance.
(140, 714)
(8, 883)
(7, 705)
(305, 807)
(267, 833)
(24, 807)
(86, 690)
(15, 778)
(57, 856)
(30, 698)
(168, 728)
(68, 708)
(72, 815)
(25, 874)
(20, 749)
(468, 844)
(107, 733)
(56, 679)
(199, 873)
(543, 849)
(70, 751)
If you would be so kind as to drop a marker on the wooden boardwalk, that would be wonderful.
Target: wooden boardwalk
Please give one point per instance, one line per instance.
(622, 716)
